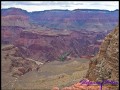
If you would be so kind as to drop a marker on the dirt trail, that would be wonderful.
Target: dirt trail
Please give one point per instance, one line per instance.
(37, 62)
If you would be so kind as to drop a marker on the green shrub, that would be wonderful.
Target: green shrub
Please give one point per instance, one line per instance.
(64, 56)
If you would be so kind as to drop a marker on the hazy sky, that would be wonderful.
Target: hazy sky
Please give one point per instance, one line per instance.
(70, 5)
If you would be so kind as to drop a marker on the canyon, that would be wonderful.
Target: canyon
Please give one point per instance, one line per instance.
(50, 45)
(48, 35)
(57, 48)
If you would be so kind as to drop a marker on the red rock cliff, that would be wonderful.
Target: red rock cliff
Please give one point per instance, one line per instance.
(105, 64)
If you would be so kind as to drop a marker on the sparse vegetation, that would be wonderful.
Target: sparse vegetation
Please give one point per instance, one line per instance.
(64, 55)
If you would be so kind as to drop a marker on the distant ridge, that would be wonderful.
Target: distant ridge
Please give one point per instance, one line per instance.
(57, 19)
(61, 9)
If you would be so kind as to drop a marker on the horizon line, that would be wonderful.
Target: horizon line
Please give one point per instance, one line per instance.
(60, 9)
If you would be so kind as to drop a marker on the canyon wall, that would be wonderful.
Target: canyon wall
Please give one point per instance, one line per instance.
(105, 65)
(51, 45)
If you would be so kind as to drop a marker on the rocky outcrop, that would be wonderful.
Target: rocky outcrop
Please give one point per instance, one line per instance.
(105, 64)
(14, 63)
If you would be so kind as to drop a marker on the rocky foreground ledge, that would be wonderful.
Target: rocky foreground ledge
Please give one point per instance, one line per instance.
(80, 86)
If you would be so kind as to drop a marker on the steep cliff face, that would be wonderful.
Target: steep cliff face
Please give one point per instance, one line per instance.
(15, 20)
(105, 64)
